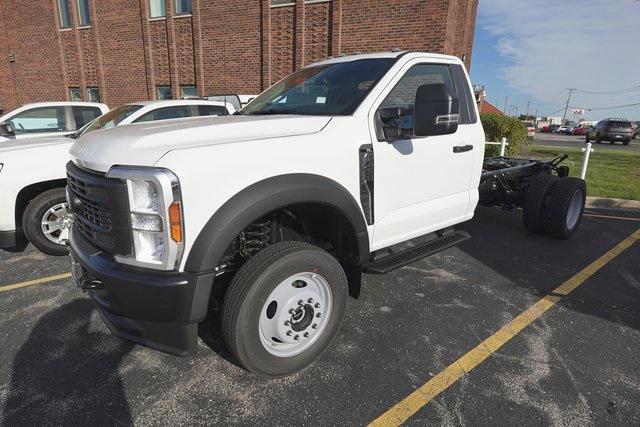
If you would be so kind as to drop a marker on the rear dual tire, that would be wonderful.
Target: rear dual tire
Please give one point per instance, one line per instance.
(554, 205)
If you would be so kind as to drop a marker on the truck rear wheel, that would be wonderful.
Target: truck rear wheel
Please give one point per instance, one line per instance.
(283, 308)
(536, 201)
(46, 222)
(566, 205)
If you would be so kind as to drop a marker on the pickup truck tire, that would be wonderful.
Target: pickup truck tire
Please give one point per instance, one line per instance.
(46, 215)
(283, 308)
(566, 205)
(536, 202)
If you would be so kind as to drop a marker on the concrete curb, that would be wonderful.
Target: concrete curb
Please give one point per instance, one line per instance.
(613, 204)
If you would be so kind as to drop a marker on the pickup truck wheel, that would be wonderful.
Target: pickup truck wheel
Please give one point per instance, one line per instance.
(536, 202)
(566, 205)
(46, 222)
(283, 308)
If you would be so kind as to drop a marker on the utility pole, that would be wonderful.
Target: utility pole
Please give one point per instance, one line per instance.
(564, 116)
(506, 101)
(527, 116)
(535, 118)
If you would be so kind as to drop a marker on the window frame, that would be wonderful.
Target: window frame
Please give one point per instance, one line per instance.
(164, 9)
(78, 108)
(163, 87)
(61, 15)
(71, 97)
(177, 12)
(195, 90)
(81, 23)
(66, 113)
(91, 88)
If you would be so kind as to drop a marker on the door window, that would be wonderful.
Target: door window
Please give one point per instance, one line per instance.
(403, 95)
(84, 115)
(165, 113)
(211, 110)
(38, 120)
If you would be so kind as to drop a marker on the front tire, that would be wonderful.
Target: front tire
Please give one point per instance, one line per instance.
(46, 222)
(283, 308)
(566, 205)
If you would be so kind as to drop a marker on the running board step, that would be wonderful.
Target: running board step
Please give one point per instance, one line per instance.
(390, 262)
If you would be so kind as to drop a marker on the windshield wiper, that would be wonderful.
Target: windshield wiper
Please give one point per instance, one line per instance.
(273, 112)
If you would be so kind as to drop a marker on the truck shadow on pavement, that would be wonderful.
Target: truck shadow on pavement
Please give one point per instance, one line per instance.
(66, 373)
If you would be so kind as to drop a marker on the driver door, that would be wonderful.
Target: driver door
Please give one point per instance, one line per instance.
(422, 184)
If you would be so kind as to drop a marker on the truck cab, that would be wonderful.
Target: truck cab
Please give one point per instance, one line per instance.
(274, 213)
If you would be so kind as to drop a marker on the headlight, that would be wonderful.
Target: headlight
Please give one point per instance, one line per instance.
(155, 209)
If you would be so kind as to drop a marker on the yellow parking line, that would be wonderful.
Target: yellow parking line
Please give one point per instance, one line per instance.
(411, 404)
(35, 282)
(626, 218)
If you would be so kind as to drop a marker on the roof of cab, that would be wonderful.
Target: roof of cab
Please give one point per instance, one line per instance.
(388, 54)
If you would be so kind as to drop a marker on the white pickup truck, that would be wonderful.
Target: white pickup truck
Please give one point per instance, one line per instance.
(273, 214)
(32, 171)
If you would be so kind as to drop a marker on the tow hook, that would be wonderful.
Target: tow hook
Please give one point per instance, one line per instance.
(91, 284)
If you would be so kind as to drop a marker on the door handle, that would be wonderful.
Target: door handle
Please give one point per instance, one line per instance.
(462, 148)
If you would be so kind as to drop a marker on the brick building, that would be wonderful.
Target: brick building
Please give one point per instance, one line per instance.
(126, 50)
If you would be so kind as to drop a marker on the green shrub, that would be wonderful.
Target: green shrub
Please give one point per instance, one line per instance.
(497, 126)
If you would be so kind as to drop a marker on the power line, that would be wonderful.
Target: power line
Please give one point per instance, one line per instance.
(606, 108)
(612, 92)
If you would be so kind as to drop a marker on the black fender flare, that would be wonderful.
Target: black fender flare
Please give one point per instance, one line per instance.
(266, 196)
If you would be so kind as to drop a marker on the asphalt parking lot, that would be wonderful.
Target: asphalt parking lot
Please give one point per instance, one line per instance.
(555, 140)
(575, 364)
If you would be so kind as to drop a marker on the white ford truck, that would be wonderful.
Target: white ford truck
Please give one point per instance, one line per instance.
(32, 171)
(273, 214)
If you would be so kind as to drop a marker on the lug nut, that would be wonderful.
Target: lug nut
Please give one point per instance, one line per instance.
(287, 323)
(319, 315)
(310, 300)
(291, 311)
(297, 337)
(314, 326)
(306, 334)
(317, 305)
(300, 302)
(289, 333)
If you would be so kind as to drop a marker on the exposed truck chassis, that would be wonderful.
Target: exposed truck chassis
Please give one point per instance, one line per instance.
(504, 180)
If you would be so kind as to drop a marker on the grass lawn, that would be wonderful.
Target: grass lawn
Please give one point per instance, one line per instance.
(609, 173)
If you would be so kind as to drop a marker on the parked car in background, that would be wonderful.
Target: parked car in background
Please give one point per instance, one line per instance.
(566, 128)
(46, 119)
(554, 128)
(636, 131)
(531, 128)
(581, 128)
(610, 130)
(33, 204)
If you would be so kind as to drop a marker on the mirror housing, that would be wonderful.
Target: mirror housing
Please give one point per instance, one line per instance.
(436, 111)
(6, 129)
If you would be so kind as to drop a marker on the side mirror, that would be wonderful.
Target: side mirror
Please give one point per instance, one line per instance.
(6, 129)
(436, 111)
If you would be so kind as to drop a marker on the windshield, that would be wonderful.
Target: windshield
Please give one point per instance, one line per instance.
(332, 89)
(110, 119)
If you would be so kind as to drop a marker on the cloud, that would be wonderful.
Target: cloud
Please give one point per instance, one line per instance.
(548, 46)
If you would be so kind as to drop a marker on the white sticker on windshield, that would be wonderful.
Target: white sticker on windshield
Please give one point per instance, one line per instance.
(321, 99)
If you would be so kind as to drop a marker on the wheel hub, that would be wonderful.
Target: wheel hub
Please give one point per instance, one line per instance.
(56, 223)
(295, 314)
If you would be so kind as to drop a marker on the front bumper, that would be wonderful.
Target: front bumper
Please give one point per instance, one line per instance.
(160, 310)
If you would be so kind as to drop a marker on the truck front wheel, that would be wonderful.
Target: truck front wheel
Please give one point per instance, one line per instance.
(566, 205)
(46, 222)
(283, 308)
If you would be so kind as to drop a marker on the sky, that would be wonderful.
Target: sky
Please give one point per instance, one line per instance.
(533, 51)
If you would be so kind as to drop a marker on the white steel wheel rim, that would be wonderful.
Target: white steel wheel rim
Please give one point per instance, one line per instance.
(295, 314)
(56, 223)
(575, 207)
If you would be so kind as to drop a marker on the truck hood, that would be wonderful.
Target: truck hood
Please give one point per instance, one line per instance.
(8, 145)
(143, 144)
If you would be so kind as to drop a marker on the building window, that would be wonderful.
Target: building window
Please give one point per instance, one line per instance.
(74, 94)
(163, 92)
(93, 94)
(84, 19)
(282, 2)
(183, 7)
(188, 91)
(65, 16)
(156, 9)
